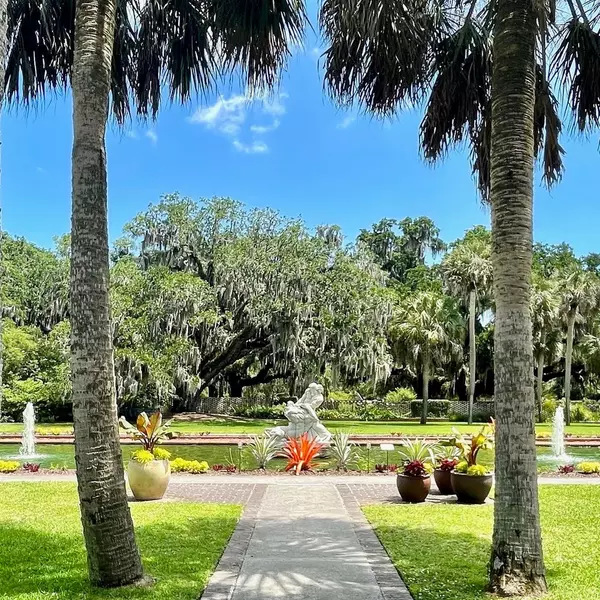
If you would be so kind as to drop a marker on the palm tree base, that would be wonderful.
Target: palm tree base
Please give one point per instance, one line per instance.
(518, 581)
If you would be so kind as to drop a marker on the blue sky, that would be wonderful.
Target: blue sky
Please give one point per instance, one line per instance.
(295, 152)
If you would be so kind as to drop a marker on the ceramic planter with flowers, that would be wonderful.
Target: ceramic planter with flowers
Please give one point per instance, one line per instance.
(471, 481)
(414, 476)
(149, 470)
(445, 461)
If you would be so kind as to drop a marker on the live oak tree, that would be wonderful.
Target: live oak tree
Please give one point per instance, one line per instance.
(242, 297)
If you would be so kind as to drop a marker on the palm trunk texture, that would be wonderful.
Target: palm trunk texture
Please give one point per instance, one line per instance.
(472, 354)
(568, 363)
(426, 368)
(517, 565)
(113, 557)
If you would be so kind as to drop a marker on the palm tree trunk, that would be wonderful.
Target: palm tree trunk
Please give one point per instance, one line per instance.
(568, 362)
(516, 566)
(472, 354)
(3, 46)
(540, 380)
(113, 557)
(425, 407)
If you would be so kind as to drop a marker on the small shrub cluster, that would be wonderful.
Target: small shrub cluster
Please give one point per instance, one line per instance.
(399, 395)
(181, 465)
(566, 469)
(260, 411)
(227, 468)
(435, 408)
(580, 413)
(31, 467)
(9, 466)
(588, 467)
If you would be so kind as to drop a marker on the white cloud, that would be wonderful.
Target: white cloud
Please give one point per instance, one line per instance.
(152, 135)
(346, 122)
(262, 129)
(255, 147)
(232, 117)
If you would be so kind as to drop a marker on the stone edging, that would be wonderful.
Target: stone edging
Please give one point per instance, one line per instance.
(222, 583)
(388, 579)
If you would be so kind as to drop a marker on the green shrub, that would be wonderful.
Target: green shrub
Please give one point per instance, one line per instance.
(548, 409)
(435, 408)
(260, 411)
(588, 467)
(161, 454)
(340, 396)
(461, 467)
(372, 412)
(327, 414)
(181, 465)
(400, 394)
(581, 413)
(478, 470)
(142, 456)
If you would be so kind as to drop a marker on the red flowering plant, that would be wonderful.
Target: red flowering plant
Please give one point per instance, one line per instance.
(447, 458)
(417, 458)
(301, 452)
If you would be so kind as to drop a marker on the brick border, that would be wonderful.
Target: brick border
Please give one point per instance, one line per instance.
(388, 579)
(223, 581)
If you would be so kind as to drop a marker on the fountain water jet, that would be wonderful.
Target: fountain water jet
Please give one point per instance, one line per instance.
(28, 439)
(558, 434)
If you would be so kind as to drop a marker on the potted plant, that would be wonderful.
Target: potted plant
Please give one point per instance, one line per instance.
(446, 460)
(472, 482)
(149, 469)
(413, 478)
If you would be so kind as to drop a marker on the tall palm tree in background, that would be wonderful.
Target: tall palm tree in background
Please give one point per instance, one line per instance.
(430, 329)
(109, 50)
(546, 330)
(386, 55)
(580, 295)
(467, 273)
(3, 45)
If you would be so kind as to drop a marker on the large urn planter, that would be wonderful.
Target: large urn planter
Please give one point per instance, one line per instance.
(443, 480)
(412, 488)
(471, 489)
(149, 481)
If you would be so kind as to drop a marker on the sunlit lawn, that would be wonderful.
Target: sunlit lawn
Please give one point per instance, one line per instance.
(42, 555)
(257, 426)
(442, 550)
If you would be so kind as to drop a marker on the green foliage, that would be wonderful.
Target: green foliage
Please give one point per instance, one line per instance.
(343, 453)
(259, 411)
(142, 456)
(149, 431)
(327, 414)
(264, 449)
(417, 450)
(580, 413)
(399, 395)
(161, 454)
(462, 467)
(372, 412)
(470, 445)
(435, 408)
(9, 466)
(588, 467)
(549, 406)
(181, 465)
(340, 396)
(478, 470)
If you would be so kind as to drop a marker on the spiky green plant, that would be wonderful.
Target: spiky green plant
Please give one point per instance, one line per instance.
(343, 453)
(264, 449)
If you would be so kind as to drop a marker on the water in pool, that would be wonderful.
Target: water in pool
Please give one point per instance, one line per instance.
(62, 455)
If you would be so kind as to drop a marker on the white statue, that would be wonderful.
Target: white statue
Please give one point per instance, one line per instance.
(302, 417)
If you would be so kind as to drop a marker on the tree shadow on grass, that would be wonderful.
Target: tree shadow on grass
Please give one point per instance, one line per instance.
(43, 564)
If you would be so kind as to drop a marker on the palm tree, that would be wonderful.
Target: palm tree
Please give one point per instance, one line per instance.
(467, 273)
(544, 314)
(94, 45)
(389, 55)
(580, 297)
(429, 327)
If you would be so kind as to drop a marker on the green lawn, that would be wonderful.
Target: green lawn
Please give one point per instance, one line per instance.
(42, 555)
(257, 426)
(442, 549)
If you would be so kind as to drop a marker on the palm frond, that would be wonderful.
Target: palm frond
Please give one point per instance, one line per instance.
(378, 51)
(547, 128)
(576, 65)
(460, 93)
(176, 46)
(255, 36)
(481, 144)
(124, 49)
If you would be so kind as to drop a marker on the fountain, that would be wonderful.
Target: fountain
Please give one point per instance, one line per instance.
(28, 439)
(558, 434)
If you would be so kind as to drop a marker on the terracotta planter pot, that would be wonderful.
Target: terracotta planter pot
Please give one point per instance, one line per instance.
(149, 481)
(413, 489)
(472, 489)
(443, 479)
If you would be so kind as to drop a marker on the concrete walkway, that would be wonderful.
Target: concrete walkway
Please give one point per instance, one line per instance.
(306, 542)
